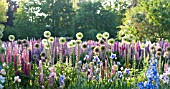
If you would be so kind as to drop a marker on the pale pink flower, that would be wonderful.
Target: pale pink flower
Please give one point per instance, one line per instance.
(3, 72)
(17, 79)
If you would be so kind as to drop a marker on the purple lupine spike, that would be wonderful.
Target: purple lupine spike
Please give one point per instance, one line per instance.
(15, 62)
(2, 58)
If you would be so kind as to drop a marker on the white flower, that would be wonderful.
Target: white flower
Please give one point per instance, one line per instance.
(4, 64)
(17, 79)
(3, 72)
(44, 41)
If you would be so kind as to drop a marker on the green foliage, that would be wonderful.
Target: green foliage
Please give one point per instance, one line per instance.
(3, 10)
(148, 20)
(92, 18)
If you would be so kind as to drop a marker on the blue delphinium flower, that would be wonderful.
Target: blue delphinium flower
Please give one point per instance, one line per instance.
(2, 79)
(152, 76)
(61, 80)
(120, 74)
(127, 71)
(141, 85)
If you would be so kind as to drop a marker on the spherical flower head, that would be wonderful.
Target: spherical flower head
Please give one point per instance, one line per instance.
(42, 54)
(62, 40)
(46, 46)
(44, 41)
(36, 45)
(2, 50)
(26, 45)
(101, 42)
(73, 43)
(1, 34)
(152, 48)
(99, 36)
(35, 57)
(69, 44)
(79, 35)
(19, 42)
(96, 49)
(24, 41)
(105, 35)
(159, 49)
(47, 34)
(3, 71)
(102, 48)
(111, 41)
(11, 37)
(78, 42)
(51, 39)
(158, 54)
(17, 79)
(168, 49)
(142, 46)
(166, 54)
(84, 46)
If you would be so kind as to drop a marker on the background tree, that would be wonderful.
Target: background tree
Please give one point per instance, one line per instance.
(148, 20)
(94, 17)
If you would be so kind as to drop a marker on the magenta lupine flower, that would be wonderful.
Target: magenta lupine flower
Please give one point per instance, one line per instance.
(2, 58)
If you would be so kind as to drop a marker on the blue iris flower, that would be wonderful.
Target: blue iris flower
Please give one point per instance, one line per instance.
(141, 85)
(61, 80)
(112, 56)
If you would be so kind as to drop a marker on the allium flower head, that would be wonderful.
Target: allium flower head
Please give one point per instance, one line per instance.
(26, 45)
(47, 34)
(102, 48)
(36, 45)
(11, 37)
(47, 46)
(17, 79)
(44, 41)
(73, 43)
(78, 42)
(62, 40)
(158, 54)
(19, 42)
(96, 49)
(111, 41)
(152, 48)
(168, 49)
(99, 36)
(42, 54)
(84, 46)
(35, 57)
(51, 39)
(101, 42)
(69, 44)
(105, 35)
(159, 49)
(79, 35)
(166, 54)
(24, 41)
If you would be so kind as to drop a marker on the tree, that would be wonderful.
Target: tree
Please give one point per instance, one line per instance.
(94, 17)
(148, 20)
